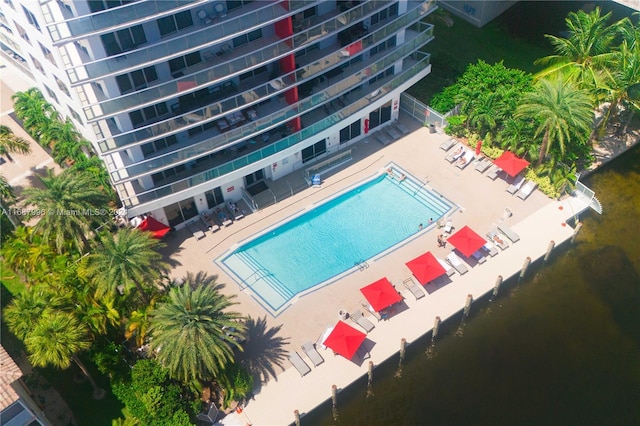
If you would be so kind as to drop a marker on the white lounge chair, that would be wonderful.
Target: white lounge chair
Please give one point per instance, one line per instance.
(456, 262)
(208, 221)
(359, 319)
(448, 144)
(494, 172)
(490, 248)
(455, 154)
(403, 129)
(479, 257)
(483, 164)
(448, 227)
(509, 233)
(414, 288)
(234, 210)
(196, 231)
(299, 364)
(498, 240)
(526, 189)
(447, 267)
(465, 160)
(517, 183)
(310, 350)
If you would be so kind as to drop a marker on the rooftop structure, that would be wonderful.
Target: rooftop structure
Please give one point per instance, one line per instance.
(194, 103)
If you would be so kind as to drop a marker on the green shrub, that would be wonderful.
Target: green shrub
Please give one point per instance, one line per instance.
(492, 152)
(544, 184)
(456, 127)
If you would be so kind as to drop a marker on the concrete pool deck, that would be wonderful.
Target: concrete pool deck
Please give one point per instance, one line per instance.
(482, 203)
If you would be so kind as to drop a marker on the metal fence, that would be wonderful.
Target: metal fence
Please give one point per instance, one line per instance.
(421, 112)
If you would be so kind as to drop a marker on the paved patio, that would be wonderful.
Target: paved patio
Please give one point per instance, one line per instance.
(481, 205)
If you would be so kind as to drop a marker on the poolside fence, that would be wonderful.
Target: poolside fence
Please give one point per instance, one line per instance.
(422, 112)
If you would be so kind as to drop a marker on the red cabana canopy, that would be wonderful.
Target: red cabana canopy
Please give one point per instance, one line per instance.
(426, 268)
(158, 228)
(381, 294)
(345, 340)
(466, 241)
(511, 164)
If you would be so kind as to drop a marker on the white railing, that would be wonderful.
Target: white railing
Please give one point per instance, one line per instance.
(327, 165)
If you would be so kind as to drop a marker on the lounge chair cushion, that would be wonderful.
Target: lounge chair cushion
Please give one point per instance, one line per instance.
(310, 350)
(299, 364)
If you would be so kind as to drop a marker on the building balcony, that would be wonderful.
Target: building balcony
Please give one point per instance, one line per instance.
(217, 166)
(316, 64)
(333, 83)
(198, 37)
(222, 61)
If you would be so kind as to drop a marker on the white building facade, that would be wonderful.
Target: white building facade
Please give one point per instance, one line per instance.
(191, 102)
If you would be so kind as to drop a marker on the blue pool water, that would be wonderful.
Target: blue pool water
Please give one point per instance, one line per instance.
(332, 237)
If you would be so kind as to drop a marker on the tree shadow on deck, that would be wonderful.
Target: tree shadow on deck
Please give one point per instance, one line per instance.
(263, 351)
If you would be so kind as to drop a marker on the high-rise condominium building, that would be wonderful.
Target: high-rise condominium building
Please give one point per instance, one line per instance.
(191, 102)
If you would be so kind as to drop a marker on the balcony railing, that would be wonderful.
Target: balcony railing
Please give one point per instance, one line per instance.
(168, 49)
(183, 122)
(110, 19)
(250, 131)
(281, 145)
(220, 71)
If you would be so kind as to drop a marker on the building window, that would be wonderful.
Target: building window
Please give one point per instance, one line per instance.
(147, 114)
(350, 132)
(158, 145)
(214, 197)
(389, 12)
(98, 5)
(173, 23)
(183, 62)
(123, 40)
(75, 115)
(31, 18)
(47, 54)
(253, 73)
(180, 212)
(62, 86)
(314, 150)
(136, 80)
(51, 93)
(247, 38)
(383, 46)
(22, 32)
(37, 64)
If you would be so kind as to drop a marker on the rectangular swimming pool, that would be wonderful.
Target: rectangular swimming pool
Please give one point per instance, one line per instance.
(333, 237)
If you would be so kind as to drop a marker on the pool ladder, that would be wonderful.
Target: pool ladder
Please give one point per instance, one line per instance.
(362, 265)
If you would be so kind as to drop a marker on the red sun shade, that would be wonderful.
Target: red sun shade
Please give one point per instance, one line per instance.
(381, 294)
(511, 164)
(345, 340)
(426, 268)
(158, 228)
(466, 241)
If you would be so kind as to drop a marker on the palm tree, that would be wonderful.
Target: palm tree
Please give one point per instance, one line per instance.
(34, 111)
(193, 334)
(583, 53)
(559, 110)
(10, 143)
(618, 78)
(69, 201)
(24, 311)
(26, 253)
(7, 195)
(56, 340)
(94, 167)
(484, 114)
(128, 258)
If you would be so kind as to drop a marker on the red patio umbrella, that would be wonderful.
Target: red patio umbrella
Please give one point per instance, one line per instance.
(345, 340)
(510, 163)
(467, 241)
(158, 228)
(426, 268)
(381, 294)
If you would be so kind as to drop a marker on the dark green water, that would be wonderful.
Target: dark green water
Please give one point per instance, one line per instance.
(562, 347)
